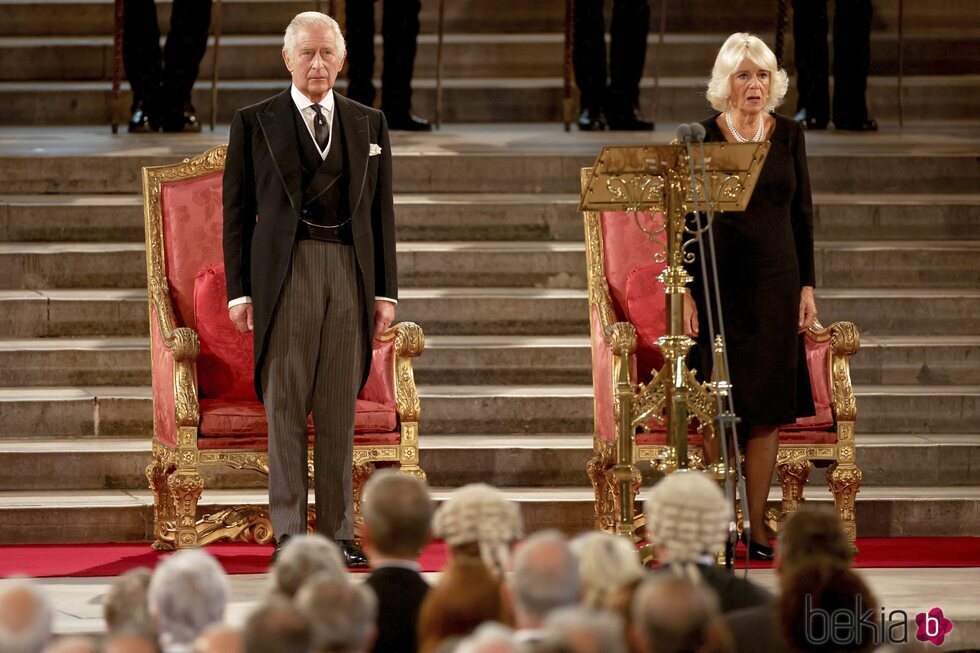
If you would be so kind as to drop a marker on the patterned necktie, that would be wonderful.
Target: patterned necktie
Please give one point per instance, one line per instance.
(320, 128)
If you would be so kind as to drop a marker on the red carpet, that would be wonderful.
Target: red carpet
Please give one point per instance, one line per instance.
(83, 560)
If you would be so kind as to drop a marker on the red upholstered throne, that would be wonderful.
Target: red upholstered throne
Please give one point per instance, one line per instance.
(627, 311)
(205, 412)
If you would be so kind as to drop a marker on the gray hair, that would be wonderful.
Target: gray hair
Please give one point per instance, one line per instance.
(737, 48)
(276, 626)
(545, 575)
(25, 635)
(125, 604)
(672, 614)
(308, 19)
(582, 629)
(490, 637)
(341, 615)
(480, 514)
(304, 556)
(188, 593)
(397, 510)
(606, 563)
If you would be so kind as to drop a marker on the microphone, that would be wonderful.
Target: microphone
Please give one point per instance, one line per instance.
(697, 132)
(684, 133)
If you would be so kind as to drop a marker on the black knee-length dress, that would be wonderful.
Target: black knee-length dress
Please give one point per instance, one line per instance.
(765, 256)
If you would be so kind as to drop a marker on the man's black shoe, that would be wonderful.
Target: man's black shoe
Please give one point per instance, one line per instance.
(410, 123)
(353, 554)
(140, 122)
(183, 122)
(280, 543)
(867, 125)
(630, 121)
(590, 121)
(810, 122)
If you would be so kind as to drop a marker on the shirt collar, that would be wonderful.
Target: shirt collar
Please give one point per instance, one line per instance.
(398, 564)
(303, 102)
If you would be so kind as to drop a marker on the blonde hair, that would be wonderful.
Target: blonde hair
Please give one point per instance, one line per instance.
(737, 48)
(308, 19)
(607, 563)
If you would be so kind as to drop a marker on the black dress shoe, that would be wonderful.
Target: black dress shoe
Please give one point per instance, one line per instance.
(630, 121)
(353, 554)
(181, 122)
(590, 121)
(140, 122)
(810, 122)
(866, 125)
(410, 123)
(280, 543)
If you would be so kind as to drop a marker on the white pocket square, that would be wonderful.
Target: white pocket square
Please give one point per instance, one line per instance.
(374, 149)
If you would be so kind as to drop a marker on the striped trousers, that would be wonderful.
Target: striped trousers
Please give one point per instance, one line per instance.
(313, 363)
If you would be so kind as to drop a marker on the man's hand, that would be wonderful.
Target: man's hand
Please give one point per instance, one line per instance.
(808, 308)
(241, 317)
(384, 315)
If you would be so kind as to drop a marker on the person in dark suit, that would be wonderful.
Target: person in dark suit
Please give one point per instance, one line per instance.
(309, 248)
(162, 82)
(400, 29)
(852, 56)
(397, 511)
(617, 103)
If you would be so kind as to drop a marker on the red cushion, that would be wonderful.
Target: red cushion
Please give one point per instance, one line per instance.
(225, 365)
(224, 418)
(818, 365)
(646, 310)
(261, 442)
(626, 248)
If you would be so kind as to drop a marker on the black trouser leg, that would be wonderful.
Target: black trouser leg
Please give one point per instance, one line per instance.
(627, 54)
(589, 54)
(186, 44)
(852, 58)
(400, 29)
(810, 49)
(360, 51)
(141, 52)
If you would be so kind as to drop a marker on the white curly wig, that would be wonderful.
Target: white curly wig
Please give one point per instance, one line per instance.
(606, 563)
(480, 514)
(736, 49)
(688, 517)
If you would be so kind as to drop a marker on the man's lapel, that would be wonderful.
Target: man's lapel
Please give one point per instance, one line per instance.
(280, 134)
(357, 138)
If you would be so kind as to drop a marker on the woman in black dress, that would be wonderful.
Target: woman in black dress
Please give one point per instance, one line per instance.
(765, 266)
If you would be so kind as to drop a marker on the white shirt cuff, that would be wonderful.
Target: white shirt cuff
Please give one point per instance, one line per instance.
(240, 300)
(385, 299)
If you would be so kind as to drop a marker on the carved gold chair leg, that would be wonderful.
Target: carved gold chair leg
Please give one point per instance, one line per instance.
(164, 513)
(362, 472)
(409, 460)
(186, 487)
(793, 477)
(844, 480)
(597, 469)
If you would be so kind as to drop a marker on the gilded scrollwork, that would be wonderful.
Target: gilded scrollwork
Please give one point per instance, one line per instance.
(844, 481)
(244, 524)
(257, 461)
(622, 339)
(793, 477)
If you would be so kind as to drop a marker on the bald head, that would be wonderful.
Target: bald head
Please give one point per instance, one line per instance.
(672, 615)
(25, 618)
(546, 577)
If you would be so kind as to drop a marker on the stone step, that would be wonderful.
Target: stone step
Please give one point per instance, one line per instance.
(126, 516)
(489, 311)
(489, 159)
(94, 17)
(894, 264)
(514, 99)
(536, 460)
(499, 216)
(458, 409)
(501, 360)
(472, 56)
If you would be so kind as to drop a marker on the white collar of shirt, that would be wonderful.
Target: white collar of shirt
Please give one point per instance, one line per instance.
(304, 104)
(399, 564)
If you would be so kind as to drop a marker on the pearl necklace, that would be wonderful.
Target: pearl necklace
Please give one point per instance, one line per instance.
(759, 132)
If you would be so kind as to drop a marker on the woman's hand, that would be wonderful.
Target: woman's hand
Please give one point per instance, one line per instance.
(690, 316)
(808, 308)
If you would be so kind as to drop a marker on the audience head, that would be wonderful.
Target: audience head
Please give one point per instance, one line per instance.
(491, 637)
(25, 617)
(822, 583)
(479, 519)
(736, 49)
(72, 645)
(671, 614)
(188, 592)
(341, 615)
(303, 557)
(687, 518)
(468, 594)
(397, 512)
(219, 638)
(545, 577)
(276, 626)
(809, 533)
(606, 564)
(583, 630)
(125, 604)
(130, 640)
